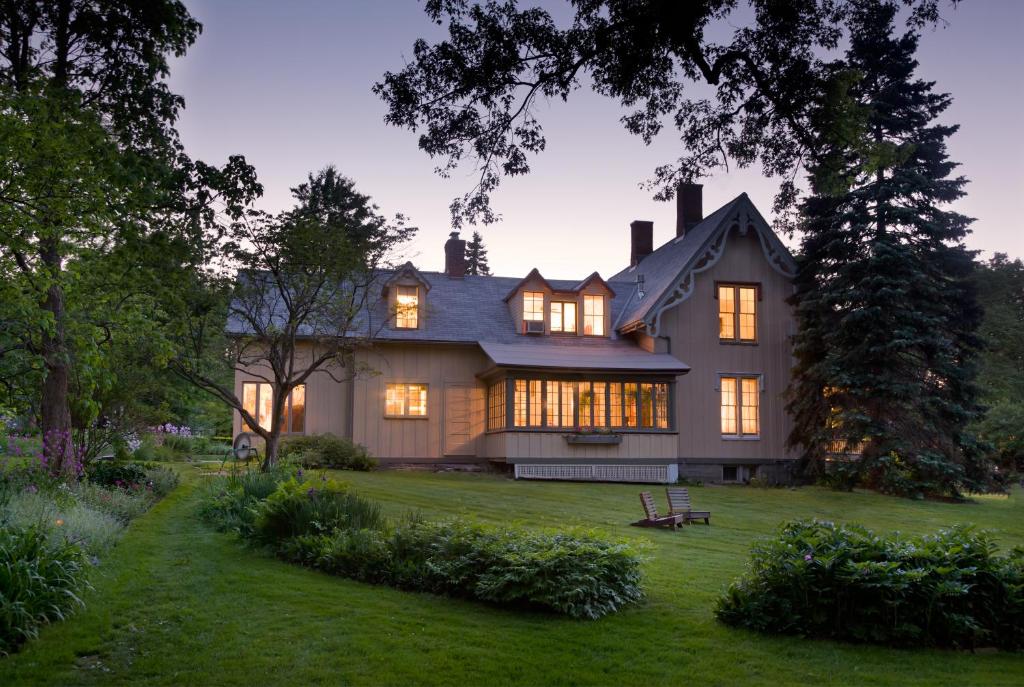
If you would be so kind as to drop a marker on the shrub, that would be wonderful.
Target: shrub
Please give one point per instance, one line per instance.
(299, 507)
(575, 573)
(124, 504)
(64, 519)
(39, 583)
(161, 481)
(325, 451)
(113, 474)
(229, 503)
(818, 579)
(178, 444)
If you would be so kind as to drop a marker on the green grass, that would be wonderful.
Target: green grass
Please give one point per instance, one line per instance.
(176, 603)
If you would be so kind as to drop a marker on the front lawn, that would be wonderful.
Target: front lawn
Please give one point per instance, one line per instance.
(178, 603)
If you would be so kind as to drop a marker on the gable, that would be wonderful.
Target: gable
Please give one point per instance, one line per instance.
(669, 273)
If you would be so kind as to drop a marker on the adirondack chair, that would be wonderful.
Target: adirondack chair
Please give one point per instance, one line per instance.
(653, 519)
(679, 504)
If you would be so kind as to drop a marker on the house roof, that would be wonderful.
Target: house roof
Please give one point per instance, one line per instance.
(618, 356)
(666, 270)
(473, 309)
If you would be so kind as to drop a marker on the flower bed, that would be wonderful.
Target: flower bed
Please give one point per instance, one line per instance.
(52, 532)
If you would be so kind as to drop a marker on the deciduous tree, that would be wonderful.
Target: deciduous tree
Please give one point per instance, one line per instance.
(302, 301)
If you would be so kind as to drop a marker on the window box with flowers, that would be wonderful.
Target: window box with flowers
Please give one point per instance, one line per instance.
(593, 435)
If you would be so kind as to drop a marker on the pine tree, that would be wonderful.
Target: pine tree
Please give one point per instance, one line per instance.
(476, 256)
(887, 315)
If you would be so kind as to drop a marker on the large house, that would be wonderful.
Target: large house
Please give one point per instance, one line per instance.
(674, 366)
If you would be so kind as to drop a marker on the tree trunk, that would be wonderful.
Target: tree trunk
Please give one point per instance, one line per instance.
(272, 441)
(55, 409)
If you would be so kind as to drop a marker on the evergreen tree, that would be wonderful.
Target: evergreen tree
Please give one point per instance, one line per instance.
(887, 313)
(476, 256)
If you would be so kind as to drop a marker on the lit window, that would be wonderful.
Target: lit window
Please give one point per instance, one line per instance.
(740, 406)
(533, 306)
(405, 400)
(593, 315)
(615, 403)
(630, 403)
(586, 404)
(563, 317)
(568, 404)
(519, 399)
(599, 404)
(646, 405)
(737, 313)
(661, 405)
(258, 400)
(407, 307)
(583, 404)
(536, 403)
(496, 405)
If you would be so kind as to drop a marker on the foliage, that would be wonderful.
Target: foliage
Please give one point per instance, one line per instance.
(123, 503)
(103, 190)
(111, 474)
(476, 256)
(326, 451)
(39, 583)
(161, 481)
(476, 96)
(1000, 284)
(819, 579)
(299, 282)
(230, 503)
(63, 518)
(299, 507)
(179, 582)
(324, 525)
(886, 348)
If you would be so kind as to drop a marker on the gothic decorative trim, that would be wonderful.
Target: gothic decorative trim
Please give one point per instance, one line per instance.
(744, 219)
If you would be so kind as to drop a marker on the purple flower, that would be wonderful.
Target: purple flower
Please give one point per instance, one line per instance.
(808, 558)
(32, 489)
(311, 493)
(299, 473)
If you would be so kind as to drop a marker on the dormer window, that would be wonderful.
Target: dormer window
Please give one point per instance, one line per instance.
(563, 317)
(533, 306)
(407, 305)
(593, 315)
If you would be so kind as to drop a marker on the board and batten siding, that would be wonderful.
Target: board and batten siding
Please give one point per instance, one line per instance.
(692, 329)
(327, 401)
(438, 366)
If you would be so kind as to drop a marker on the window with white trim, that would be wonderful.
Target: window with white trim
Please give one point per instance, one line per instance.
(740, 406)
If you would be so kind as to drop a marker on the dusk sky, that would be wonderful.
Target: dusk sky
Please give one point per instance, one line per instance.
(288, 86)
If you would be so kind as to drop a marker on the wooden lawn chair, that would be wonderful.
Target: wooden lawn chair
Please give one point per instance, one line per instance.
(679, 504)
(653, 519)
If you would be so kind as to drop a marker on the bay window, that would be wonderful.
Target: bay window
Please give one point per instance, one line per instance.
(562, 404)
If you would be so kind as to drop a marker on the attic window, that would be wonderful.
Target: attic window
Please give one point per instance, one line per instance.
(593, 315)
(563, 317)
(407, 302)
(533, 306)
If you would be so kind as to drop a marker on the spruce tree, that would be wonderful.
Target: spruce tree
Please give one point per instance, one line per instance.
(476, 256)
(887, 315)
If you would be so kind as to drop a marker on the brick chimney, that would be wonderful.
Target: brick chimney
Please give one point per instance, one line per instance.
(455, 256)
(689, 207)
(641, 241)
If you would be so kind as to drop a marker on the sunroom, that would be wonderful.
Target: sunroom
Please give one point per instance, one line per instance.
(598, 412)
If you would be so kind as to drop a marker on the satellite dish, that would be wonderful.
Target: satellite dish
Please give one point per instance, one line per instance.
(243, 445)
